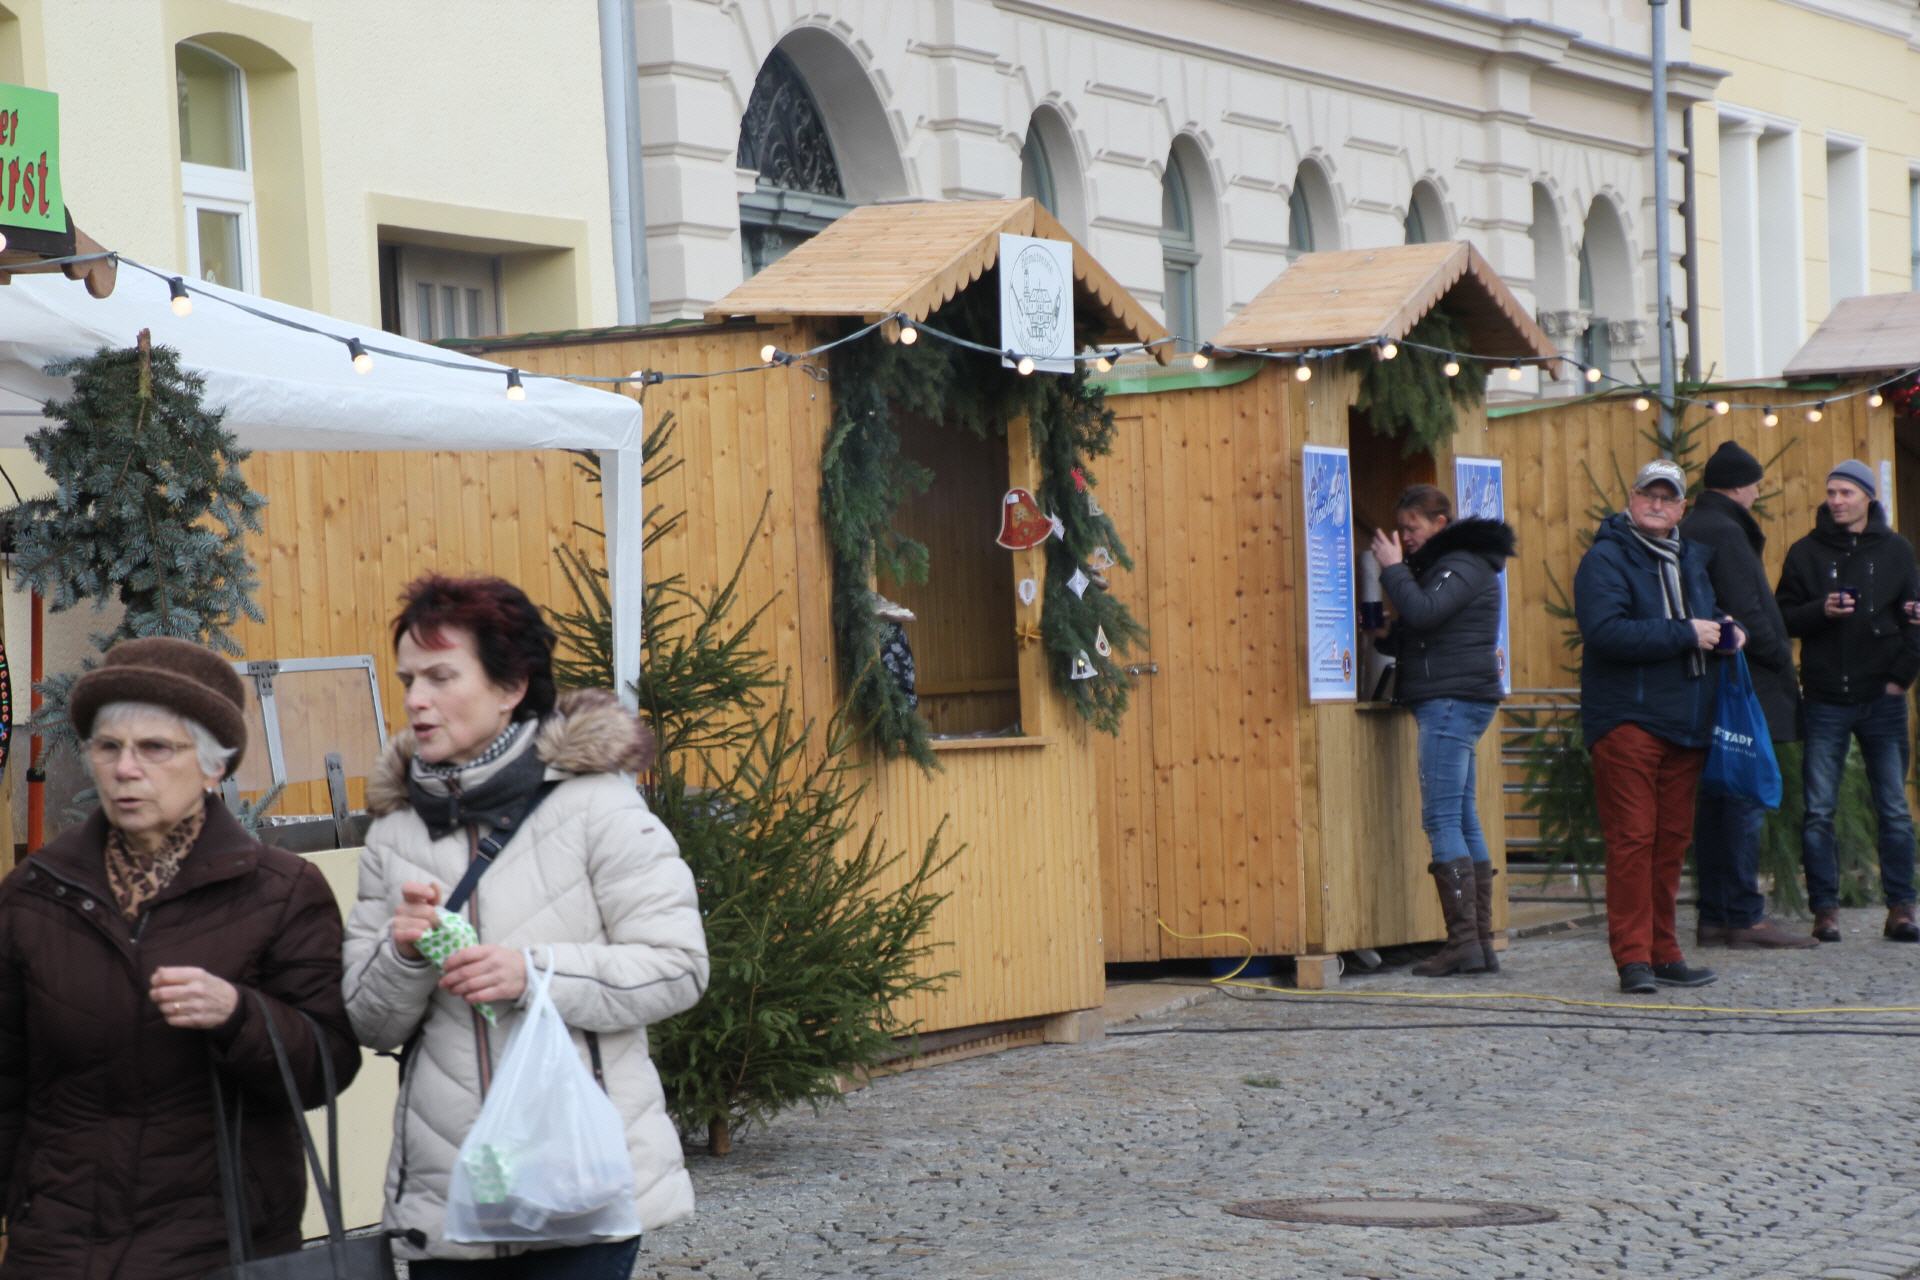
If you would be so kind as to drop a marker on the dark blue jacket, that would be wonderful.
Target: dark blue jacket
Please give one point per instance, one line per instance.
(1633, 665)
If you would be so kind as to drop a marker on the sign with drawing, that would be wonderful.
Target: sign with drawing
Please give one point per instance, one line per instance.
(1036, 302)
(1325, 474)
(1479, 490)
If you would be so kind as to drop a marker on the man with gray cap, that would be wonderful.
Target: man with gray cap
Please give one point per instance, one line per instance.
(1726, 829)
(1848, 590)
(1646, 612)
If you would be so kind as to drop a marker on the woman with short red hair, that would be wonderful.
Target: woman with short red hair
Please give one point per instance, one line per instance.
(580, 873)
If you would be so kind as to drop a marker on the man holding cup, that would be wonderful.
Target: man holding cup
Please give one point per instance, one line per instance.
(1726, 829)
(1647, 620)
(1848, 590)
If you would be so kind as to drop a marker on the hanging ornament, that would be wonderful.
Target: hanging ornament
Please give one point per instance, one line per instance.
(1078, 584)
(1028, 590)
(1023, 525)
(1079, 480)
(1082, 667)
(1027, 635)
(1093, 505)
(1059, 527)
(1100, 645)
(1101, 560)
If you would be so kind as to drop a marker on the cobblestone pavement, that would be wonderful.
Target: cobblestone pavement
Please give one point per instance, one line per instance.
(1746, 1154)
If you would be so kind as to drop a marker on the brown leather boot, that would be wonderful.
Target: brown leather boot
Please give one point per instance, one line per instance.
(1900, 924)
(1483, 874)
(1826, 924)
(1455, 882)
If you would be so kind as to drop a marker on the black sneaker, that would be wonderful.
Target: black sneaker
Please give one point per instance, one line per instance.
(1638, 979)
(1677, 974)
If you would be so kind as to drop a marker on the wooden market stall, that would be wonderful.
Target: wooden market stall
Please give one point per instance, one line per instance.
(1015, 783)
(1233, 805)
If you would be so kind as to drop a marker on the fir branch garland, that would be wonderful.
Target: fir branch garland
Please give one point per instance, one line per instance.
(865, 479)
(1410, 396)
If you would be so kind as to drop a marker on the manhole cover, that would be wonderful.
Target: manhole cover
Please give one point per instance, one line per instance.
(1363, 1211)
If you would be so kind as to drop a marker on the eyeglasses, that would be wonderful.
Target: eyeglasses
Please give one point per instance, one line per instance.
(1653, 499)
(145, 750)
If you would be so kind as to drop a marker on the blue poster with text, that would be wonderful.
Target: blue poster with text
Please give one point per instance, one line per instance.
(1330, 597)
(1479, 490)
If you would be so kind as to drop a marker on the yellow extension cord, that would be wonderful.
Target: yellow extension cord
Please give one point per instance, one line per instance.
(1229, 980)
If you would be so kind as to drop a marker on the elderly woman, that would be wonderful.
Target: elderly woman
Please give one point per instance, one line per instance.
(132, 950)
(582, 874)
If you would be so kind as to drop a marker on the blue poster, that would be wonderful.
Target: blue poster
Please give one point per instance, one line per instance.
(1331, 670)
(1478, 485)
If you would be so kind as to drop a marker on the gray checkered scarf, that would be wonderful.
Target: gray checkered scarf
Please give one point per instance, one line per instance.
(1666, 552)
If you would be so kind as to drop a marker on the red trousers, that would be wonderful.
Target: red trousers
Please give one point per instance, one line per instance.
(1643, 787)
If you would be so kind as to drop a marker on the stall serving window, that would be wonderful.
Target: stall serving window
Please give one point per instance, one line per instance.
(965, 660)
(1381, 472)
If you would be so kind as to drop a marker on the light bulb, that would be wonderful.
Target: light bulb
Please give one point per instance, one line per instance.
(1451, 368)
(638, 377)
(1388, 350)
(1513, 373)
(181, 303)
(1103, 364)
(362, 362)
(1875, 400)
(768, 352)
(1722, 408)
(1816, 413)
(3, 242)
(1200, 360)
(1771, 419)
(1025, 366)
(908, 335)
(1593, 374)
(1304, 372)
(1641, 404)
(515, 391)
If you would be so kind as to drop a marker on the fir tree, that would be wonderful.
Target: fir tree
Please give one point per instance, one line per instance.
(810, 956)
(150, 508)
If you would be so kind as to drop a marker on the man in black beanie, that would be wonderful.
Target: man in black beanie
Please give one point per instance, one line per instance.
(1726, 829)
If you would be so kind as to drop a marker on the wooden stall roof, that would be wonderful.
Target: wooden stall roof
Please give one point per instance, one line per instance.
(912, 258)
(1863, 335)
(99, 274)
(1355, 295)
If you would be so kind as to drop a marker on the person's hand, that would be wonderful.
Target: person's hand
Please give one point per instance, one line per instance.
(1386, 548)
(1911, 609)
(418, 912)
(1839, 605)
(484, 973)
(1896, 690)
(1739, 637)
(191, 998)
(1706, 632)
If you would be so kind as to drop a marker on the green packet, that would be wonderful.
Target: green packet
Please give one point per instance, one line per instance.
(453, 933)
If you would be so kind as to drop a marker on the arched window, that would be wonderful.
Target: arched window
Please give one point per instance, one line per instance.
(784, 139)
(1426, 219)
(1606, 285)
(1299, 222)
(1596, 343)
(1179, 253)
(216, 174)
(1036, 172)
(1313, 219)
(1549, 255)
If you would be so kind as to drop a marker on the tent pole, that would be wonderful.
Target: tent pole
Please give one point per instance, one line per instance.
(36, 774)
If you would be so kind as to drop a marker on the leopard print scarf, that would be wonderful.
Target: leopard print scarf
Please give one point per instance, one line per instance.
(138, 880)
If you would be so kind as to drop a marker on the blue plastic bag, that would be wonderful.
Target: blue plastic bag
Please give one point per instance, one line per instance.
(1740, 762)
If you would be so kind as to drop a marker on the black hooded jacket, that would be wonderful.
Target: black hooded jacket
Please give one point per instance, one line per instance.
(1739, 580)
(1851, 660)
(1446, 638)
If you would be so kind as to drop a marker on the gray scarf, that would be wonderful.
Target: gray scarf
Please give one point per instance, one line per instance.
(1666, 552)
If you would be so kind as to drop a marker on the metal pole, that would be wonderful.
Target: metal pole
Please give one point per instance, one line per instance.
(1662, 249)
(626, 187)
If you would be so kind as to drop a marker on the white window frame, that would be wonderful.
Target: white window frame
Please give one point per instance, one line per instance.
(1852, 275)
(218, 190)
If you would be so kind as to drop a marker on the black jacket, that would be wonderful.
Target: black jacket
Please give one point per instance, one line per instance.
(1446, 638)
(1739, 580)
(1851, 659)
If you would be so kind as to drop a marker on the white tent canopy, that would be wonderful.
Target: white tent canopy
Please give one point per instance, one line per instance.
(285, 389)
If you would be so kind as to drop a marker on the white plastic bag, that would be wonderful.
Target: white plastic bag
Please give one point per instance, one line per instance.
(547, 1159)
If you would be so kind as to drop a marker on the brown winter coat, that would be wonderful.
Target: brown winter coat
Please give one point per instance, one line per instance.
(106, 1113)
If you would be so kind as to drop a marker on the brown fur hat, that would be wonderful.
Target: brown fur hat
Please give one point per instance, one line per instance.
(187, 679)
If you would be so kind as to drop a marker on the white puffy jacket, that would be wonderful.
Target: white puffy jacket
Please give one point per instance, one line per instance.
(592, 875)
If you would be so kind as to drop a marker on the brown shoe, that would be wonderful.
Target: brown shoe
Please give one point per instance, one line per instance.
(1711, 935)
(1826, 924)
(1900, 924)
(1768, 936)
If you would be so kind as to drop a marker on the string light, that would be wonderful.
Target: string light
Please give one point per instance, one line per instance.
(1641, 404)
(1024, 365)
(1451, 368)
(514, 390)
(769, 353)
(1875, 400)
(1593, 373)
(1818, 412)
(3, 242)
(1388, 349)
(177, 290)
(1204, 356)
(362, 362)
(1514, 371)
(1722, 408)
(1103, 363)
(1303, 372)
(1771, 419)
(908, 335)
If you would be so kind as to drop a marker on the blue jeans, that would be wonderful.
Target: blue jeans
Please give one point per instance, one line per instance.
(614, 1261)
(1726, 860)
(1881, 727)
(1450, 729)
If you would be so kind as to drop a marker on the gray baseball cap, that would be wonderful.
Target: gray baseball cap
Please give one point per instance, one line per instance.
(1660, 471)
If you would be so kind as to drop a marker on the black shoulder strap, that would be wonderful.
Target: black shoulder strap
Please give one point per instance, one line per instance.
(490, 847)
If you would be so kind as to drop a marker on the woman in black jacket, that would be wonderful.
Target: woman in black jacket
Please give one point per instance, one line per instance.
(1445, 639)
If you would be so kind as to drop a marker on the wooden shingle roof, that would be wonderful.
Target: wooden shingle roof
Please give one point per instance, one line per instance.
(1879, 331)
(913, 258)
(1356, 295)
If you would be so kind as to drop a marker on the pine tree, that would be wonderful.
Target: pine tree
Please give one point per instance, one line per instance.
(150, 508)
(810, 957)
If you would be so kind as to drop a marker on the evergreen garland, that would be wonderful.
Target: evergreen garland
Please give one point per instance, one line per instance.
(864, 480)
(1410, 396)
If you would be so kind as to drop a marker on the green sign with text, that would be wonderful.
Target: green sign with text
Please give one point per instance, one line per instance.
(30, 194)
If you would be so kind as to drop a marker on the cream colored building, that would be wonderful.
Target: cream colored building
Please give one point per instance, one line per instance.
(1808, 167)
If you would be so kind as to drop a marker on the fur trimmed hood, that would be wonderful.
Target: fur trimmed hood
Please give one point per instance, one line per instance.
(1491, 540)
(588, 732)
